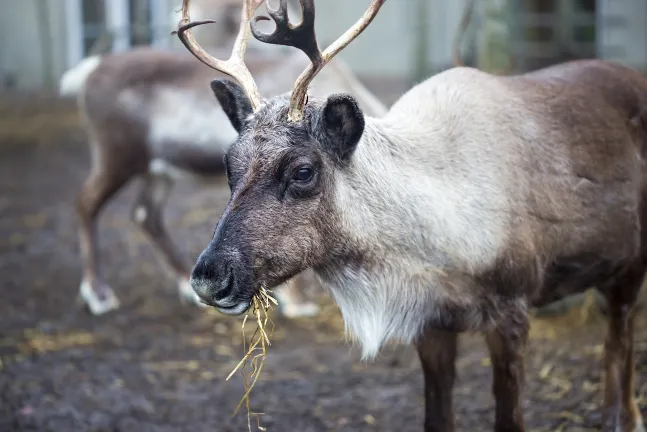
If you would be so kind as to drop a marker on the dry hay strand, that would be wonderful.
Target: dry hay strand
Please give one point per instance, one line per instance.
(256, 351)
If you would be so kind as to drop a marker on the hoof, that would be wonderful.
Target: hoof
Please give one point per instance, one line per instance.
(187, 295)
(99, 300)
(640, 427)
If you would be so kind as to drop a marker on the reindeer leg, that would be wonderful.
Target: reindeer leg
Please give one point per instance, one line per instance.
(148, 215)
(506, 343)
(292, 301)
(100, 186)
(621, 412)
(437, 351)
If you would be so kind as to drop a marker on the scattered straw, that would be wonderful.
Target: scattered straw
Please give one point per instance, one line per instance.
(257, 351)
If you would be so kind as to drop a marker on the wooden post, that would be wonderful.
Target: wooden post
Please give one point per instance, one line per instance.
(494, 40)
(45, 29)
(140, 33)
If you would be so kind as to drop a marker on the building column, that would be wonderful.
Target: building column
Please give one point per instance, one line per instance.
(118, 24)
(161, 29)
(74, 32)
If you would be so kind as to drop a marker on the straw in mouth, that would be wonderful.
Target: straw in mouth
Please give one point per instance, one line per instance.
(256, 352)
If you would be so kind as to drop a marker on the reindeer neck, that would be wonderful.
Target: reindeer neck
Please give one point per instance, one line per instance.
(415, 232)
(406, 193)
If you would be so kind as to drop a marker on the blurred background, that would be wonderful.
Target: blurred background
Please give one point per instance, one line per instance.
(410, 39)
(157, 365)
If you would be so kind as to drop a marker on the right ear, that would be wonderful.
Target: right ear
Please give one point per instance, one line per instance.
(234, 102)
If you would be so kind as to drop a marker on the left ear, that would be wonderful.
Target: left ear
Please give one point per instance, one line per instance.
(234, 102)
(340, 125)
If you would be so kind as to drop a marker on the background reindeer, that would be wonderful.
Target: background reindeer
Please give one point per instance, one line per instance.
(473, 198)
(148, 114)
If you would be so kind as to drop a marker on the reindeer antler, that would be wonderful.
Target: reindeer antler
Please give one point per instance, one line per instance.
(234, 66)
(303, 37)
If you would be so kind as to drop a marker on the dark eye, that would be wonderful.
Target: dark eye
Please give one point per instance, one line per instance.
(303, 174)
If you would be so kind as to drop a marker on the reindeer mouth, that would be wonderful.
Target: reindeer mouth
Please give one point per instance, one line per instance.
(237, 309)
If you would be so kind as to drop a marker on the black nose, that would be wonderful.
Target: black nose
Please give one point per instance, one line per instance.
(222, 279)
(213, 279)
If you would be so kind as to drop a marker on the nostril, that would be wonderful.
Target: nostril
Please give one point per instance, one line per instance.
(213, 277)
(206, 268)
(230, 280)
(209, 269)
(199, 269)
(227, 283)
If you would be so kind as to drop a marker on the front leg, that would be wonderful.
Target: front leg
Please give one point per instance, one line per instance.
(437, 352)
(148, 214)
(507, 342)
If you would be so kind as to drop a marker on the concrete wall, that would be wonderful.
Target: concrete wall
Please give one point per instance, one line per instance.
(386, 48)
(621, 32)
(32, 43)
(33, 55)
(388, 45)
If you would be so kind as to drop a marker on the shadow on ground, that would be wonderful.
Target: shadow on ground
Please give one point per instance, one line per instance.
(158, 366)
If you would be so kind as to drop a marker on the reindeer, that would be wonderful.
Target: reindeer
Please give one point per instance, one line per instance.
(148, 116)
(475, 197)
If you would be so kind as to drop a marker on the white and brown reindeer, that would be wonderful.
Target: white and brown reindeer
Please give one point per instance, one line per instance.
(149, 113)
(475, 197)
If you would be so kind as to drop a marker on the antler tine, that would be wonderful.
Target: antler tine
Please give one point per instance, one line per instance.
(234, 66)
(303, 37)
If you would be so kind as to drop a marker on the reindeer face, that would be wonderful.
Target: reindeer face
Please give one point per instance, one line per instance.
(281, 218)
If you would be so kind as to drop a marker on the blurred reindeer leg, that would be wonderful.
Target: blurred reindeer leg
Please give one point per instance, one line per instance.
(621, 413)
(148, 215)
(99, 187)
(292, 301)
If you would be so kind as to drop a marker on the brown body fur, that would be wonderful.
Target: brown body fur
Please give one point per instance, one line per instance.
(473, 198)
(560, 163)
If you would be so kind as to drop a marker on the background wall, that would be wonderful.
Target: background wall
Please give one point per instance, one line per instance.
(408, 40)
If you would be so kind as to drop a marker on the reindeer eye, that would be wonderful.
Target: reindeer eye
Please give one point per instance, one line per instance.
(303, 174)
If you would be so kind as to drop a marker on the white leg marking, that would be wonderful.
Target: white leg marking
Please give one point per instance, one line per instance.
(140, 214)
(96, 304)
(290, 307)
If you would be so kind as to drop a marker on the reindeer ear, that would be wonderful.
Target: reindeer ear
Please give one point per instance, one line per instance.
(234, 102)
(342, 124)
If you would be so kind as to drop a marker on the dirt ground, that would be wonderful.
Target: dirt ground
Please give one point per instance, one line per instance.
(158, 366)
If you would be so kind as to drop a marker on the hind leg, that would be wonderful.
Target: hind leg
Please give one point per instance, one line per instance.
(100, 186)
(148, 215)
(621, 412)
(292, 301)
